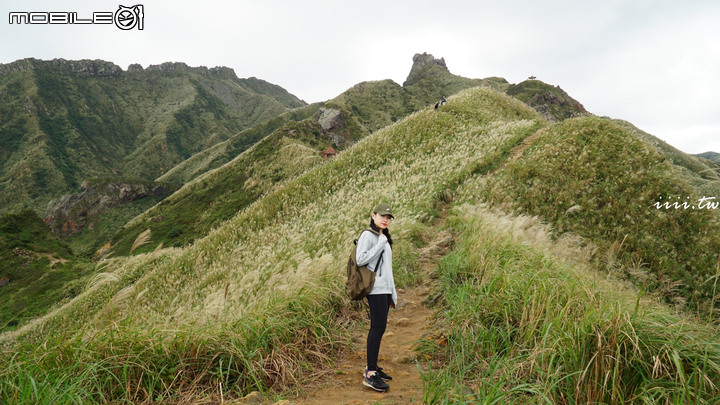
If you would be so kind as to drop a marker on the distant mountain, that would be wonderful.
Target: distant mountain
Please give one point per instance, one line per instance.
(228, 176)
(238, 179)
(568, 236)
(62, 122)
(714, 156)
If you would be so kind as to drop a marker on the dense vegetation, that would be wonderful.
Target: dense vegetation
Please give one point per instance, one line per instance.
(28, 248)
(618, 204)
(569, 282)
(525, 319)
(363, 109)
(289, 243)
(529, 313)
(74, 120)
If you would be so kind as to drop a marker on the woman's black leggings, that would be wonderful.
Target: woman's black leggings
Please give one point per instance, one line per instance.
(379, 308)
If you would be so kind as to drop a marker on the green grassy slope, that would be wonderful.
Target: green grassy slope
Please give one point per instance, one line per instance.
(205, 203)
(223, 152)
(364, 108)
(292, 235)
(255, 302)
(524, 318)
(714, 156)
(100, 228)
(702, 175)
(66, 121)
(593, 177)
(551, 101)
(28, 248)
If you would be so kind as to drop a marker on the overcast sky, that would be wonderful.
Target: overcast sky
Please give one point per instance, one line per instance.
(654, 63)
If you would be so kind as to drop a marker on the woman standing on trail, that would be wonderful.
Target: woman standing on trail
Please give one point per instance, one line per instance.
(375, 251)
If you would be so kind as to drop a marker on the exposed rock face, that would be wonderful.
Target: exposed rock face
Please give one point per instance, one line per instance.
(550, 101)
(424, 65)
(70, 213)
(556, 108)
(332, 124)
(329, 119)
(83, 67)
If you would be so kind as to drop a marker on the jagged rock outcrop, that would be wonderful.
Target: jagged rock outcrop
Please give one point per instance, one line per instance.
(84, 67)
(70, 213)
(551, 101)
(332, 124)
(424, 65)
(556, 108)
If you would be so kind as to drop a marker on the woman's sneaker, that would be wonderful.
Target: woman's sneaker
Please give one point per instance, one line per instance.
(382, 374)
(375, 382)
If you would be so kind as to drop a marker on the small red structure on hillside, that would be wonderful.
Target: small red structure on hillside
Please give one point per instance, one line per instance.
(329, 152)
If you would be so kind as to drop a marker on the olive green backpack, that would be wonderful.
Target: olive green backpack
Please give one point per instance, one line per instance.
(360, 279)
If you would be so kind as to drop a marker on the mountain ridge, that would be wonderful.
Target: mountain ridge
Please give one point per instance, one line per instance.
(259, 296)
(67, 121)
(341, 122)
(714, 156)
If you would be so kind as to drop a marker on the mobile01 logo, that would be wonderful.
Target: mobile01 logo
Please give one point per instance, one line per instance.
(125, 18)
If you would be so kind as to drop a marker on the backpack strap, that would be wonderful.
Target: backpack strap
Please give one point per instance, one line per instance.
(377, 264)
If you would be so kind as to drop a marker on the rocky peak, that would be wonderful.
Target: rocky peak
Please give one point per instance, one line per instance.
(84, 67)
(550, 101)
(171, 67)
(135, 68)
(223, 71)
(423, 65)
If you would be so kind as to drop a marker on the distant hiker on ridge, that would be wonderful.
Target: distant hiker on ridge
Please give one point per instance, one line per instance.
(443, 100)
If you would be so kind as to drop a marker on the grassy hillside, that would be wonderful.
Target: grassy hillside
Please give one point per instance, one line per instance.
(256, 303)
(363, 108)
(551, 101)
(703, 176)
(293, 239)
(217, 196)
(66, 121)
(594, 178)
(524, 318)
(224, 152)
(714, 156)
(381, 103)
(28, 248)
(100, 228)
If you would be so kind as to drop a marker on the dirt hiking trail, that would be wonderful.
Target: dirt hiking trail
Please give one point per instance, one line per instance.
(343, 385)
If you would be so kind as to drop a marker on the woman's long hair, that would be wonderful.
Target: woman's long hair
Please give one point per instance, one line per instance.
(377, 229)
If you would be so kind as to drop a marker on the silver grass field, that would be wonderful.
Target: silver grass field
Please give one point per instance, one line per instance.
(527, 315)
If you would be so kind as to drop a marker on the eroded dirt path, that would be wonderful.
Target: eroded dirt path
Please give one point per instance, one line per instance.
(406, 325)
